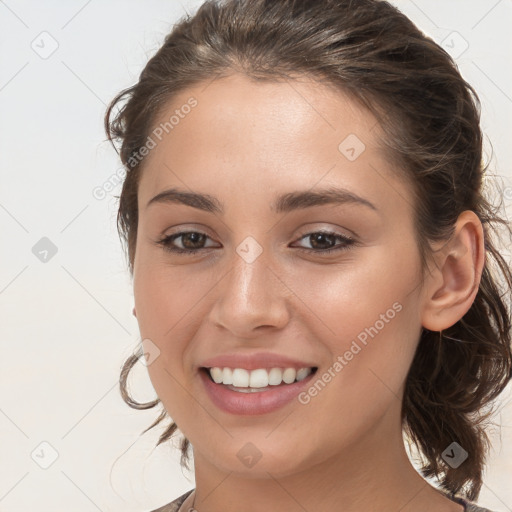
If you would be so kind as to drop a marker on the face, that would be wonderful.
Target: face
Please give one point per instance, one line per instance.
(277, 268)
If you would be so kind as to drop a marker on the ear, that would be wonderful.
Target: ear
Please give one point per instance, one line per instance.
(454, 281)
(134, 312)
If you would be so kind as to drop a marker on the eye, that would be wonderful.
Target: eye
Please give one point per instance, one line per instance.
(193, 242)
(327, 237)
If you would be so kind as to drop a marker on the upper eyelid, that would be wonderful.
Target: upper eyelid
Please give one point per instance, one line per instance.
(205, 231)
(326, 231)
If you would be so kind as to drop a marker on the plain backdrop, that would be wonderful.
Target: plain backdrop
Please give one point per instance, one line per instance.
(67, 440)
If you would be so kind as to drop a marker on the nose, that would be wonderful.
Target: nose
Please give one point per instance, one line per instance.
(251, 298)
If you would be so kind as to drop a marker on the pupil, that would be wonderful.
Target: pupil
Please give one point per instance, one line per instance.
(192, 235)
(320, 236)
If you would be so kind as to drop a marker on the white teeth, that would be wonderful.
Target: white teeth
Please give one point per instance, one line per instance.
(240, 378)
(275, 376)
(227, 376)
(260, 378)
(289, 375)
(216, 374)
(303, 373)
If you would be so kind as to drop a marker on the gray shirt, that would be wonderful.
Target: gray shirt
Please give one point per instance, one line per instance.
(174, 506)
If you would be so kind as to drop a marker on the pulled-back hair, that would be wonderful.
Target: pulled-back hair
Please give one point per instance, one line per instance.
(430, 117)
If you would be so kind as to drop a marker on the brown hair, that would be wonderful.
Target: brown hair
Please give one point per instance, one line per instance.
(431, 119)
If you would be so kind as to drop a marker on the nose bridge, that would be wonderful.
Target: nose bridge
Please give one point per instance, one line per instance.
(251, 294)
(250, 279)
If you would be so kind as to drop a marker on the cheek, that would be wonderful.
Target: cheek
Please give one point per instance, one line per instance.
(166, 301)
(349, 297)
(165, 306)
(368, 317)
(166, 298)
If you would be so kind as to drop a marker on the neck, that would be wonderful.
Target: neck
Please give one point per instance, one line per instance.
(372, 474)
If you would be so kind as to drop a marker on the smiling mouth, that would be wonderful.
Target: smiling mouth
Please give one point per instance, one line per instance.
(280, 377)
(271, 388)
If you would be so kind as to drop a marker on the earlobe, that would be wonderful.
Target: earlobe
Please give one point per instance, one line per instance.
(134, 313)
(453, 284)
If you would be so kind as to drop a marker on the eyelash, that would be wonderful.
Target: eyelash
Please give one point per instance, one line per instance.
(166, 241)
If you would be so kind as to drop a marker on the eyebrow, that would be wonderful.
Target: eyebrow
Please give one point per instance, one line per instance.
(284, 203)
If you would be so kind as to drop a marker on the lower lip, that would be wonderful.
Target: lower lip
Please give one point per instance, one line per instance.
(260, 402)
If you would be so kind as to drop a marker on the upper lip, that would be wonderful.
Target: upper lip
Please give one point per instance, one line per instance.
(254, 361)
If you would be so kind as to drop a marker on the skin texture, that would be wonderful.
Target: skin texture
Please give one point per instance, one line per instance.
(245, 143)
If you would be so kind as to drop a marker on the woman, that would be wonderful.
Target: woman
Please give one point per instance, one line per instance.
(311, 254)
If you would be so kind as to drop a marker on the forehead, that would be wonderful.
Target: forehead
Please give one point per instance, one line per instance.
(263, 136)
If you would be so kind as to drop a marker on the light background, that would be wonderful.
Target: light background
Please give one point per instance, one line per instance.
(67, 324)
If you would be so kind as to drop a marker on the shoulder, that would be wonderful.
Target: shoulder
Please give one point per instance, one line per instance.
(469, 506)
(473, 507)
(174, 506)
